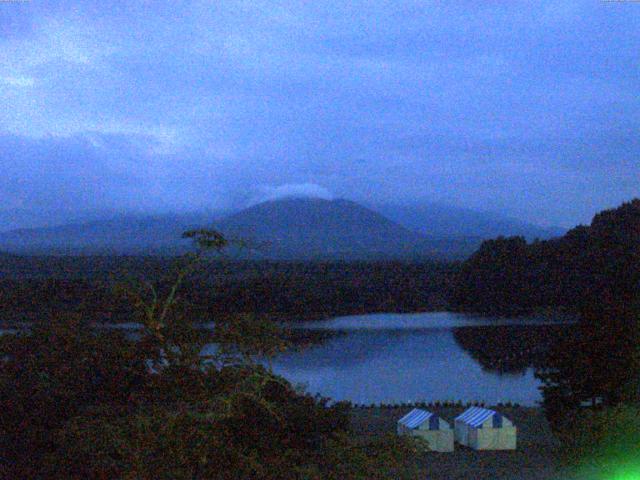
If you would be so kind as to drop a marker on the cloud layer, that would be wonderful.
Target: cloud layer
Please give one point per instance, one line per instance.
(531, 109)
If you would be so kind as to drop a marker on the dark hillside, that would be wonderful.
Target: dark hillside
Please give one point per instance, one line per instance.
(507, 275)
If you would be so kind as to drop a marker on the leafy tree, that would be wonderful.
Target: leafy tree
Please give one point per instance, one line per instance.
(81, 402)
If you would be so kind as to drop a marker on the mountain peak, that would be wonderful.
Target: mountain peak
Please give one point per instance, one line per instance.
(319, 228)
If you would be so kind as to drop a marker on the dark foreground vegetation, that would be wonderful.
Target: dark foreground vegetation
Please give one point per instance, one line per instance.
(31, 287)
(77, 404)
(80, 402)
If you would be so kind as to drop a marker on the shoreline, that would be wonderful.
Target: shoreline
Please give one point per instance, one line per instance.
(296, 322)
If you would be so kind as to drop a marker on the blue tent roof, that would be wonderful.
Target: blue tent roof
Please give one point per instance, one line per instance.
(415, 418)
(476, 416)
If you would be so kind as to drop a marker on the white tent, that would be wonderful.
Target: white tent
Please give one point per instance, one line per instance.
(428, 426)
(484, 429)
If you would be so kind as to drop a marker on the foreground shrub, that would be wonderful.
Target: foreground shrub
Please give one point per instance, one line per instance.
(235, 437)
(50, 375)
(79, 402)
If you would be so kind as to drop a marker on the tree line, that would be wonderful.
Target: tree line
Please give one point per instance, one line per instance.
(589, 264)
(32, 287)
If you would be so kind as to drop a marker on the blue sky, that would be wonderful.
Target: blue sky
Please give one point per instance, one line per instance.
(527, 108)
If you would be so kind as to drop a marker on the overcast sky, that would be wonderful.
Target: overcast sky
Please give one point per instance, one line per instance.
(527, 108)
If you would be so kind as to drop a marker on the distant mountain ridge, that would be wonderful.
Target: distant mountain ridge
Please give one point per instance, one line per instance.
(288, 228)
(127, 234)
(449, 221)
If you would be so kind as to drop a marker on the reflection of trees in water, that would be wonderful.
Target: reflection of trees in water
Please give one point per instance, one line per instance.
(509, 348)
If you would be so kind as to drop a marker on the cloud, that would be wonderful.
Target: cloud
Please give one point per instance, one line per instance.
(186, 105)
(306, 190)
(18, 81)
(73, 173)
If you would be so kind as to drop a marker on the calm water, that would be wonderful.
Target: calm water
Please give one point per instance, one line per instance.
(391, 358)
(396, 358)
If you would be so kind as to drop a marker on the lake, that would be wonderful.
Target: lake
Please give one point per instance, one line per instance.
(437, 356)
(393, 358)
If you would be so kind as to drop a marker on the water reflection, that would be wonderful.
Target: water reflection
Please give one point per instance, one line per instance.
(432, 356)
(509, 349)
(420, 321)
